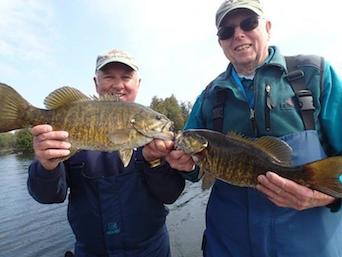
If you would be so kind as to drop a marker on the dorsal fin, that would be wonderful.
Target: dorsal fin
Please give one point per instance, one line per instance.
(279, 150)
(109, 97)
(63, 96)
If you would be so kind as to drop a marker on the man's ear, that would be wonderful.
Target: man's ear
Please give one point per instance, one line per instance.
(96, 86)
(139, 82)
(268, 28)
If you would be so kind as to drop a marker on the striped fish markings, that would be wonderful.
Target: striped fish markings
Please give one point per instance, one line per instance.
(104, 124)
(239, 161)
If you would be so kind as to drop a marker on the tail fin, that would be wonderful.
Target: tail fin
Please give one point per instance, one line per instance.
(326, 175)
(12, 109)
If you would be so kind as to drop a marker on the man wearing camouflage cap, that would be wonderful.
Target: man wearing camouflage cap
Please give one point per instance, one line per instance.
(114, 211)
(254, 97)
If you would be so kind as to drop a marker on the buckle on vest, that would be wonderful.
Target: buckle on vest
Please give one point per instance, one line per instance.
(305, 100)
(295, 75)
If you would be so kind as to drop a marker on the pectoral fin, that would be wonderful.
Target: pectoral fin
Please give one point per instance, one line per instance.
(120, 138)
(127, 138)
(125, 156)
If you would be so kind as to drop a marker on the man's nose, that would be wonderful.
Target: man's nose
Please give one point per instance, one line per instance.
(117, 84)
(238, 32)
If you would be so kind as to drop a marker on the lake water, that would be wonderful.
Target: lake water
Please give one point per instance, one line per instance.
(30, 229)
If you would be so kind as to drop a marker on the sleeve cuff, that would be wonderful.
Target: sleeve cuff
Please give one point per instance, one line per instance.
(140, 160)
(193, 175)
(40, 172)
(335, 206)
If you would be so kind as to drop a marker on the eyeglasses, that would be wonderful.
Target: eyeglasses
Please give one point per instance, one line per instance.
(247, 24)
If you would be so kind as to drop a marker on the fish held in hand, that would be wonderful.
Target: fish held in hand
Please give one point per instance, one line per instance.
(103, 124)
(239, 161)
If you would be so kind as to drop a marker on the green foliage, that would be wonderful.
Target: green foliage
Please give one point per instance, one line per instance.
(23, 141)
(169, 106)
(7, 140)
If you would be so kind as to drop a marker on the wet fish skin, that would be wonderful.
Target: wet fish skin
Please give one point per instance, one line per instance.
(239, 161)
(103, 124)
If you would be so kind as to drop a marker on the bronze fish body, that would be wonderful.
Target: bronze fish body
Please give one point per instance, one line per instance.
(238, 160)
(104, 124)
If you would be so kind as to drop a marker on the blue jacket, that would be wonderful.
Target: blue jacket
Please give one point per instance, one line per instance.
(113, 211)
(242, 222)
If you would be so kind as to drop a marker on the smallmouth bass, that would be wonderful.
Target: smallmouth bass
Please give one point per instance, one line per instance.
(239, 161)
(103, 124)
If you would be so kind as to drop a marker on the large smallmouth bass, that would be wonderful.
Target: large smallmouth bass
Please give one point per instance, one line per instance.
(104, 124)
(238, 160)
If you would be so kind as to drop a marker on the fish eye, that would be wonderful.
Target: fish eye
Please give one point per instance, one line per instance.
(158, 117)
(132, 121)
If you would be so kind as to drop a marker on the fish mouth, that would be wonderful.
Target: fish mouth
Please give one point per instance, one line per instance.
(181, 142)
(192, 144)
(178, 139)
(167, 131)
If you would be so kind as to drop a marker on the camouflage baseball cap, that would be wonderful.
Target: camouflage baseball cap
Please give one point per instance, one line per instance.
(229, 5)
(116, 55)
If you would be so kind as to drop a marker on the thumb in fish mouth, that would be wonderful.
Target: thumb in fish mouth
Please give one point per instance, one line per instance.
(178, 138)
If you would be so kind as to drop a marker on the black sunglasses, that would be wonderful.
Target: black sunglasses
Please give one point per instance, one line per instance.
(247, 24)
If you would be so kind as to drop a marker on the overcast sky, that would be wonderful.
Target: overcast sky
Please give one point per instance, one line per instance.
(45, 44)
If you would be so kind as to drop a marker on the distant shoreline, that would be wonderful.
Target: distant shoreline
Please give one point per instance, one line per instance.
(12, 151)
(6, 151)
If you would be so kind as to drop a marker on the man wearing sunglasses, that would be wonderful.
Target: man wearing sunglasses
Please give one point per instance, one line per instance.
(279, 217)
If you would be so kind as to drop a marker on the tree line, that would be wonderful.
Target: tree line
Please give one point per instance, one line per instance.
(18, 142)
(21, 140)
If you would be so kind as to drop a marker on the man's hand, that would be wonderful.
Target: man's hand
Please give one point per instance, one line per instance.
(49, 146)
(180, 160)
(177, 159)
(287, 193)
(157, 149)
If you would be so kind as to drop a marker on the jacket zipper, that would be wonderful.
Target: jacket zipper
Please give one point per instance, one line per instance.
(268, 107)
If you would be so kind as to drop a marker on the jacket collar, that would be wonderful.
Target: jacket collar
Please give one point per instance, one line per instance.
(275, 59)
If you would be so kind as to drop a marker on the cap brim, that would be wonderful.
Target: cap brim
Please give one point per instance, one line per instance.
(134, 67)
(248, 7)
